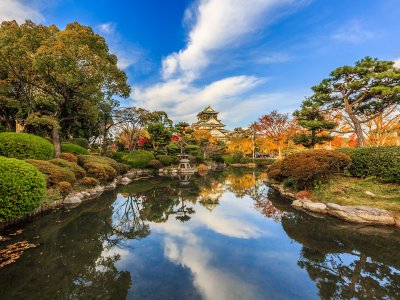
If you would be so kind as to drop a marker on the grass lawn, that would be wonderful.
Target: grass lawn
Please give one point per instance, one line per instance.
(351, 191)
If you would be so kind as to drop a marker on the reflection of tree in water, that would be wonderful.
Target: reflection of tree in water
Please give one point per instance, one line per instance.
(347, 261)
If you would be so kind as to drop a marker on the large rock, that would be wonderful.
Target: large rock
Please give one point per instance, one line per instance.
(361, 214)
(72, 200)
(314, 206)
(124, 180)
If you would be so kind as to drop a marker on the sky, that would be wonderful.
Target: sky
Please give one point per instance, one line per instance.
(245, 58)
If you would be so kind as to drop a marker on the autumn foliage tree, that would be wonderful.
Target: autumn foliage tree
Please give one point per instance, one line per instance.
(277, 127)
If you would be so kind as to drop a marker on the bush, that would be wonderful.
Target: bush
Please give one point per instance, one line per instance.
(305, 169)
(234, 158)
(74, 149)
(101, 171)
(53, 173)
(64, 187)
(217, 158)
(173, 148)
(25, 146)
(22, 188)
(155, 164)
(166, 160)
(138, 159)
(193, 150)
(84, 143)
(89, 181)
(77, 170)
(119, 167)
(116, 155)
(69, 156)
(380, 162)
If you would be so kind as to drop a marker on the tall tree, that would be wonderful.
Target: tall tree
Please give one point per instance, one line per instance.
(360, 92)
(277, 127)
(68, 70)
(313, 122)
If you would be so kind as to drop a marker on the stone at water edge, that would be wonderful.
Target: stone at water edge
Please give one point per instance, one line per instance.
(72, 200)
(297, 203)
(314, 206)
(361, 214)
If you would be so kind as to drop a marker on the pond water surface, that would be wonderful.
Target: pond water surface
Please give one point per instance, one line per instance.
(225, 235)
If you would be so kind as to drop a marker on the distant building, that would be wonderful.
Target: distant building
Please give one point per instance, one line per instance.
(208, 120)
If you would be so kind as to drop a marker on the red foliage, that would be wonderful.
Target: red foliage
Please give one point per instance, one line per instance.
(175, 138)
(143, 140)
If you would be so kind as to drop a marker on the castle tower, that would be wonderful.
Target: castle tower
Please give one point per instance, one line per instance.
(208, 120)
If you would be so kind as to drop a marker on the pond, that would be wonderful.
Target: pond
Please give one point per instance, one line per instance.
(224, 235)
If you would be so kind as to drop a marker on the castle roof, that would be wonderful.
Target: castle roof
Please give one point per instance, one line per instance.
(208, 110)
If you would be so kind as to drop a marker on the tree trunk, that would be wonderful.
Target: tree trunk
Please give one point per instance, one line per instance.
(104, 144)
(19, 127)
(279, 150)
(359, 134)
(56, 141)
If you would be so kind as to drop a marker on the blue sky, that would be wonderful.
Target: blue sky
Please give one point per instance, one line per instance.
(243, 57)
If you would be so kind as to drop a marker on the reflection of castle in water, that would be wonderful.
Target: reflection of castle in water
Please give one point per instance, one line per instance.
(209, 198)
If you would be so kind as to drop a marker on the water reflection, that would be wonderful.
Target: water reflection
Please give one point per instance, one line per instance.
(221, 236)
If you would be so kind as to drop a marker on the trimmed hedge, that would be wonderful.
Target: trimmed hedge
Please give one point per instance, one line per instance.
(380, 162)
(74, 149)
(77, 170)
(305, 169)
(53, 173)
(22, 188)
(69, 156)
(166, 160)
(89, 181)
(155, 164)
(234, 158)
(138, 159)
(101, 167)
(84, 143)
(25, 146)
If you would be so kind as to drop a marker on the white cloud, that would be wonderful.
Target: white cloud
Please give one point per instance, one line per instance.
(218, 24)
(353, 32)
(20, 11)
(126, 53)
(397, 63)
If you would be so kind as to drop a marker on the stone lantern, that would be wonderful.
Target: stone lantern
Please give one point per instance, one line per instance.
(184, 164)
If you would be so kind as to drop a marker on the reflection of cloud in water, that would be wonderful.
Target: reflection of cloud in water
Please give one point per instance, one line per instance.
(211, 282)
(185, 248)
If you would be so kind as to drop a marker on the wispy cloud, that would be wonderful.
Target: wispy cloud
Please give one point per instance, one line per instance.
(127, 53)
(353, 32)
(217, 24)
(20, 11)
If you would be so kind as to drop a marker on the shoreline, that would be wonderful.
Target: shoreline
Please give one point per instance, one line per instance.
(77, 197)
(365, 215)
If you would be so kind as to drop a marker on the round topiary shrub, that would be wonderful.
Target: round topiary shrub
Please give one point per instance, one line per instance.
(64, 187)
(74, 149)
(166, 160)
(77, 170)
(303, 170)
(53, 173)
(22, 188)
(155, 164)
(69, 156)
(25, 146)
(89, 182)
(138, 159)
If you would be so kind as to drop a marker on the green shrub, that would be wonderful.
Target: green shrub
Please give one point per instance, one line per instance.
(74, 149)
(53, 173)
(155, 164)
(307, 168)
(166, 160)
(246, 160)
(84, 143)
(119, 167)
(22, 188)
(228, 159)
(217, 158)
(173, 148)
(77, 170)
(193, 150)
(380, 162)
(138, 159)
(102, 172)
(25, 146)
(116, 155)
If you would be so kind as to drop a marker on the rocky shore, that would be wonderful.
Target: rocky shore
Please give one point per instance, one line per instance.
(77, 197)
(353, 214)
